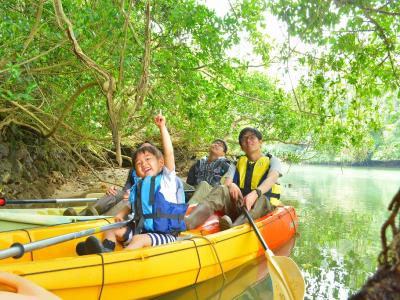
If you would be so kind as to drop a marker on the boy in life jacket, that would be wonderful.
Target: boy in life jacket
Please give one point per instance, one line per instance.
(253, 183)
(115, 199)
(158, 214)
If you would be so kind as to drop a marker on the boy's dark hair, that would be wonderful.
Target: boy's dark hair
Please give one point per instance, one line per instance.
(223, 144)
(150, 148)
(140, 145)
(254, 131)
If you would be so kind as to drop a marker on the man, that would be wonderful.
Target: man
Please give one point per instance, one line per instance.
(253, 183)
(208, 171)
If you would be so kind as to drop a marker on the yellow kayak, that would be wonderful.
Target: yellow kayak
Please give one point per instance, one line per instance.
(143, 273)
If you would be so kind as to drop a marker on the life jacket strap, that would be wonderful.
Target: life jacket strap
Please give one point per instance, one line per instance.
(152, 188)
(273, 195)
(139, 219)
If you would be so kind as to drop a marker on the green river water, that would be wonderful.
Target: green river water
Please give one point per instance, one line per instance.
(341, 211)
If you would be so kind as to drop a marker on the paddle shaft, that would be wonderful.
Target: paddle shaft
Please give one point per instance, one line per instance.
(286, 277)
(17, 250)
(251, 221)
(41, 201)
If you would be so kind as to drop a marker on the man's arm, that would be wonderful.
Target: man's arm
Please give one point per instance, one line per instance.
(129, 180)
(265, 186)
(191, 178)
(234, 190)
(271, 179)
(275, 171)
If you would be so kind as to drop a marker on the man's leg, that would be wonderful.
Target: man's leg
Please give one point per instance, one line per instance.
(116, 208)
(260, 209)
(217, 200)
(201, 193)
(104, 204)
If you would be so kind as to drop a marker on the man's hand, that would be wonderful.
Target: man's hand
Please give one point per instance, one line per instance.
(250, 199)
(159, 120)
(112, 191)
(235, 192)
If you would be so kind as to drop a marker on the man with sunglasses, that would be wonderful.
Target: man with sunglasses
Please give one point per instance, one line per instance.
(208, 171)
(253, 183)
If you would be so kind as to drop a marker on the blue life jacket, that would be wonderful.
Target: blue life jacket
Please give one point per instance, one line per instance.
(152, 212)
(180, 192)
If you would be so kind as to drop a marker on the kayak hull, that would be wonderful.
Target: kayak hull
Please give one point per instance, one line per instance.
(147, 272)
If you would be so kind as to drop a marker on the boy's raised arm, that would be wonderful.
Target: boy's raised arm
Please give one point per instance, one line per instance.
(168, 150)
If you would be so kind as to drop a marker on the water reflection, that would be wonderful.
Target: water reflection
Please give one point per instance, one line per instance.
(341, 212)
(249, 281)
(238, 284)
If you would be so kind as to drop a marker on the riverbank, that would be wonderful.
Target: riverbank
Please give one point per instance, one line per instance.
(370, 164)
(91, 183)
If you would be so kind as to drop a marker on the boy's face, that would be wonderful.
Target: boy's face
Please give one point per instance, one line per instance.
(148, 164)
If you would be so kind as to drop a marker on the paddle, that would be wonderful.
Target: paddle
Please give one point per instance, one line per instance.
(17, 250)
(4, 201)
(287, 280)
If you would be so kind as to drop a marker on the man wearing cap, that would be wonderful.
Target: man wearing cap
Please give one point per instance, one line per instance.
(253, 183)
(208, 171)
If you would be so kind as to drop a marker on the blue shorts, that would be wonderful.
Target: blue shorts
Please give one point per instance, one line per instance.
(161, 238)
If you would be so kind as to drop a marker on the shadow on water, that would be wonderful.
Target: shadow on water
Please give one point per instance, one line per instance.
(249, 281)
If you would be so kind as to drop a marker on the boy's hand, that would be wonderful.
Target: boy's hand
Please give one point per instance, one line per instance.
(159, 120)
(119, 217)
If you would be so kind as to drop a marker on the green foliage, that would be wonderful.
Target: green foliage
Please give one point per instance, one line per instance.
(353, 74)
(203, 92)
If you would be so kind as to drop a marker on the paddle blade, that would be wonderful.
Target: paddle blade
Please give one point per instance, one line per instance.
(287, 280)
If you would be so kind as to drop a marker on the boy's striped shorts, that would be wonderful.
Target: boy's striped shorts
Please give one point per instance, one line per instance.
(161, 238)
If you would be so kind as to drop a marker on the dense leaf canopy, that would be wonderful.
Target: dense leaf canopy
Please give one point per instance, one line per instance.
(93, 73)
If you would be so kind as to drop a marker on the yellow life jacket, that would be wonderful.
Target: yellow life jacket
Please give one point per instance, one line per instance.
(259, 174)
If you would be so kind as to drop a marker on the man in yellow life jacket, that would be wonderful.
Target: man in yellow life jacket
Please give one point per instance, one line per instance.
(253, 183)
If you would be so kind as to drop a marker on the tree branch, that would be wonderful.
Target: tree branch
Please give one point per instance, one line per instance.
(35, 57)
(388, 45)
(69, 105)
(35, 26)
(122, 55)
(379, 11)
(143, 84)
